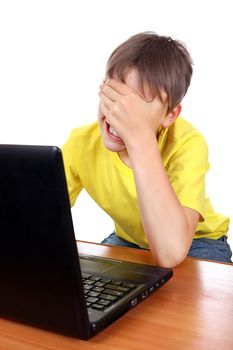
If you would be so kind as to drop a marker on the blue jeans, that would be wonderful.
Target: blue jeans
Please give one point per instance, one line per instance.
(201, 248)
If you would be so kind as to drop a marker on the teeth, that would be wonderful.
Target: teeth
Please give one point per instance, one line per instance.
(112, 131)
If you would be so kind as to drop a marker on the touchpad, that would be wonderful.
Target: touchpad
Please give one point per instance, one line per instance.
(96, 265)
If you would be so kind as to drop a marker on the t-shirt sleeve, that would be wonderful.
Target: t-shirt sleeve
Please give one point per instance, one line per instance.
(186, 171)
(74, 183)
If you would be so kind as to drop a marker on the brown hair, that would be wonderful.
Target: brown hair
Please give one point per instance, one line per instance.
(161, 62)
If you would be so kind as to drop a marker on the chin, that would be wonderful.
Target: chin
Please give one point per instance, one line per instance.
(112, 146)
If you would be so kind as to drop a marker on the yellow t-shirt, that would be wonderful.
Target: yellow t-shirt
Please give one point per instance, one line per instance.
(90, 165)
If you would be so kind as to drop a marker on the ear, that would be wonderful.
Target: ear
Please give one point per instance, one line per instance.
(172, 116)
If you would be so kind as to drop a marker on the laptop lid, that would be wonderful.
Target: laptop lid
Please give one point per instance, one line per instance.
(41, 280)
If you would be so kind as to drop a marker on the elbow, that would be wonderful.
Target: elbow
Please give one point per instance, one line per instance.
(172, 252)
(170, 259)
(171, 262)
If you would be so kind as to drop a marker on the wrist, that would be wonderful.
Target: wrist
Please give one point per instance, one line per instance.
(142, 143)
(144, 153)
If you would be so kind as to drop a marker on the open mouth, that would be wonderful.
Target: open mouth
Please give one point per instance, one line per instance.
(112, 133)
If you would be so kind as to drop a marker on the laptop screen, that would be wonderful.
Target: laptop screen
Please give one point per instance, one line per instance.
(39, 266)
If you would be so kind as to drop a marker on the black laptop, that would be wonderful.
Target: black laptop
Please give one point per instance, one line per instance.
(43, 280)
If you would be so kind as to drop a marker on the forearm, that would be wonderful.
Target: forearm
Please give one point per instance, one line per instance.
(162, 215)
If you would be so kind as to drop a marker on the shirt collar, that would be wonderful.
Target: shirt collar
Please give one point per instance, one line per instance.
(162, 137)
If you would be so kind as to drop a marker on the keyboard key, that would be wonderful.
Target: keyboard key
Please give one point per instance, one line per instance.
(108, 297)
(129, 285)
(93, 294)
(92, 299)
(87, 286)
(89, 282)
(114, 292)
(95, 278)
(106, 280)
(98, 289)
(97, 306)
(119, 288)
(116, 283)
(85, 275)
(104, 302)
(99, 284)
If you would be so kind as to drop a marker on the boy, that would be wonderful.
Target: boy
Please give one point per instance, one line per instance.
(141, 163)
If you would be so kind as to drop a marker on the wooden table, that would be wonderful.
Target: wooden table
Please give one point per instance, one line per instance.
(194, 310)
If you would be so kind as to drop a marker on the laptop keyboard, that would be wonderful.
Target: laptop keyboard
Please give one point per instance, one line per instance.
(101, 292)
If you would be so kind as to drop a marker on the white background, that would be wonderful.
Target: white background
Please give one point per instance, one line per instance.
(52, 60)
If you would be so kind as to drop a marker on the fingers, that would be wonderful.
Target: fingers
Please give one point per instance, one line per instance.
(106, 101)
(104, 109)
(109, 92)
(115, 89)
(109, 97)
(119, 86)
(107, 105)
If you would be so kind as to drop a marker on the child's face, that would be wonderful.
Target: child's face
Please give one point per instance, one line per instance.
(111, 141)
